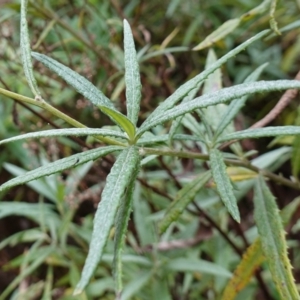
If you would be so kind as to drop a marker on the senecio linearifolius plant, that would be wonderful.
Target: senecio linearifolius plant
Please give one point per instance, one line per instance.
(133, 144)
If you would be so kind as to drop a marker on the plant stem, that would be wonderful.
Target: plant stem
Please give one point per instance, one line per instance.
(239, 163)
(43, 104)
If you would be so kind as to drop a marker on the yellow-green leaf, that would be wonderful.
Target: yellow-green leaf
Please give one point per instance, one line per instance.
(121, 120)
(273, 241)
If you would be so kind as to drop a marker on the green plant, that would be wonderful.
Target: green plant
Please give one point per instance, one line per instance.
(185, 108)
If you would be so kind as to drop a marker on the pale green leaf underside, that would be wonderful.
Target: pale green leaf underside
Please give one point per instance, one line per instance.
(261, 132)
(65, 132)
(26, 51)
(59, 165)
(194, 82)
(182, 200)
(116, 183)
(273, 241)
(225, 95)
(132, 76)
(223, 183)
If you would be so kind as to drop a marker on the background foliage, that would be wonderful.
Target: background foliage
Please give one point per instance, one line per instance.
(46, 224)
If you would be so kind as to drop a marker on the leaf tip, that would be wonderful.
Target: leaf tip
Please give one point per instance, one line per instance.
(77, 291)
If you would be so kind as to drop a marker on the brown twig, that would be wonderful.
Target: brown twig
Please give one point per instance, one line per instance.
(284, 101)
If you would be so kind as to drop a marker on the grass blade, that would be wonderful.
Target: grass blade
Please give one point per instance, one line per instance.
(223, 183)
(273, 242)
(59, 165)
(47, 250)
(132, 76)
(26, 51)
(182, 200)
(225, 95)
(261, 132)
(116, 184)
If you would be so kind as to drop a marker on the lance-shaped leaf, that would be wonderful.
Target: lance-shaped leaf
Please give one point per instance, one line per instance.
(182, 200)
(251, 261)
(26, 51)
(237, 104)
(121, 228)
(121, 120)
(213, 83)
(132, 76)
(194, 82)
(273, 241)
(88, 90)
(59, 165)
(261, 132)
(253, 258)
(223, 96)
(223, 183)
(65, 132)
(219, 33)
(117, 182)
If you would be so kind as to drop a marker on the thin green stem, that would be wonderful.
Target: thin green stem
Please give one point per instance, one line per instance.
(185, 154)
(43, 104)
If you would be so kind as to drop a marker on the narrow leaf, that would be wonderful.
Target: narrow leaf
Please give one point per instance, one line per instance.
(88, 90)
(261, 132)
(65, 132)
(237, 104)
(273, 241)
(132, 76)
(223, 183)
(145, 141)
(121, 228)
(26, 51)
(121, 120)
(251, 261)
(81, 84)
(197, 265)
(44, 254)
(253, 258)
(182, 200)
(225, 95)
(213, 114)
(219, 34)
(116, 184)
(176, 123)
(194, 82)
(59, 165)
